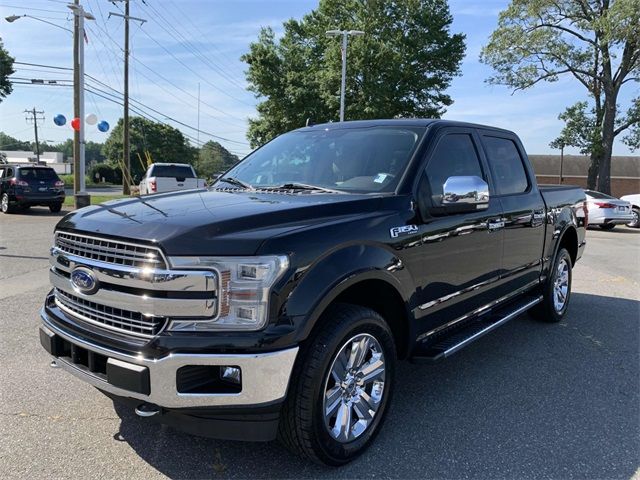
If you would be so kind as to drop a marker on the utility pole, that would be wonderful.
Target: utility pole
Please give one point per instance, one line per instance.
(81, 198)
(345, 35)
(126, 160)
(33, 117)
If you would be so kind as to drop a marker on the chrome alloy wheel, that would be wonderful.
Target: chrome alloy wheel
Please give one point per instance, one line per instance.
(5, 203)
(561, 285)
(354, 387)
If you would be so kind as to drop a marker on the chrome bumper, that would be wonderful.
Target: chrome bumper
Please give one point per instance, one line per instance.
(265, 376)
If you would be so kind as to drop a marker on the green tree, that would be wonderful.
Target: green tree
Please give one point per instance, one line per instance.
(213, 159)
(8, 142)
(401, 67)
(594, 41)
(163, 142)
(6, 69)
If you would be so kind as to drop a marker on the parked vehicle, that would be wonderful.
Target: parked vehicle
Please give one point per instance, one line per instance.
(168, 177)
(606, 211)
(278, 302)
(634, 200)
(23, 186)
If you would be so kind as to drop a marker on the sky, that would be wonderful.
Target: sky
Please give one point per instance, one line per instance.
(186, 45)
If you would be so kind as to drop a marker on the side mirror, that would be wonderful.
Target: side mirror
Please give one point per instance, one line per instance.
(465, 194)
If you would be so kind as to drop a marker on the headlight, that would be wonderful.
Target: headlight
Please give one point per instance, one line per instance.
(243, 290)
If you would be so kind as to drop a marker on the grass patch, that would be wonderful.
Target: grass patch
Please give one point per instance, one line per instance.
(95, 199)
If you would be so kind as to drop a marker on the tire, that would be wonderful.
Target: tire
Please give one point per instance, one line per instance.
(635, 223)
(55, 208)
(552, 308)
(5, 204)
(304, 429)
(607, 226)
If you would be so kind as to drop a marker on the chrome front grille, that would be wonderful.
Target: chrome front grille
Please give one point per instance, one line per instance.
(109, 251)
(124, 321)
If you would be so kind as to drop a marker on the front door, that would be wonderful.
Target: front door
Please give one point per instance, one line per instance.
(458, 260)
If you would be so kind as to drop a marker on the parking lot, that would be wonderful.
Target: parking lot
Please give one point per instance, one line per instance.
(531, 400)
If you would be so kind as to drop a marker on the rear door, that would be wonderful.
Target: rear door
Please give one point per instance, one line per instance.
(174, 177)
(523, 210)
(41, 181)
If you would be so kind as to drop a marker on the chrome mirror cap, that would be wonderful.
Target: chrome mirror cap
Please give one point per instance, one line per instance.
(467, 190)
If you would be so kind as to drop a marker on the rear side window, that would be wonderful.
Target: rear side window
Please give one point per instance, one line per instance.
(173, 171)
(508, 169)
(37, 174)
(454, 156)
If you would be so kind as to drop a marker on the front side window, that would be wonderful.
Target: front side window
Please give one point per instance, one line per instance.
(454, 156)
(359, 160)
(508, 169)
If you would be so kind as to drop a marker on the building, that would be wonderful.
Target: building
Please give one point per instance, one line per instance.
(51, 159)
(625, 171)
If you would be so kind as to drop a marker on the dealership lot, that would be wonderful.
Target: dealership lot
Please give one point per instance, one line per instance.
(529, 401)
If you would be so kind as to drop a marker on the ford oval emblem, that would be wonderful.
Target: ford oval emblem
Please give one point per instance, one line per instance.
(83, 281)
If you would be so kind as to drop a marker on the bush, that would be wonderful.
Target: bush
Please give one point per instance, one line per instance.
(110, 173)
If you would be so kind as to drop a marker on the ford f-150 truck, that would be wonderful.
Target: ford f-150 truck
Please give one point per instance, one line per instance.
(277, 303)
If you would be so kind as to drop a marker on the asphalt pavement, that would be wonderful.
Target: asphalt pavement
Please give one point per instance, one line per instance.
(531, 400)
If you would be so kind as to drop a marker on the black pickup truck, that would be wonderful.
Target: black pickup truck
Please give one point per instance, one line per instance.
(277, 302)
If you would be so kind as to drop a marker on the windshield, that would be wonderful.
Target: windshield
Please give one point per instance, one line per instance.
(37, 174)
(174, 171)
(350, 159)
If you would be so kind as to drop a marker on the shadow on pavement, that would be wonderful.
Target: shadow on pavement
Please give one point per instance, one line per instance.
(530, 400)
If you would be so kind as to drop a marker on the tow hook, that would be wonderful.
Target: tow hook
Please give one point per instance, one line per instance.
(147, 410)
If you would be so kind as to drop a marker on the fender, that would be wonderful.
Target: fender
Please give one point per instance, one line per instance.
(560, 222)
(340, 269)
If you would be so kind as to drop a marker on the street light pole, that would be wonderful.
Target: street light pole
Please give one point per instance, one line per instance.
(81, 197)
(343, 83)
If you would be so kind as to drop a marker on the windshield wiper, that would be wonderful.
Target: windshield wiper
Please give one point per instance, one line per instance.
(236, 182)
(304, 186)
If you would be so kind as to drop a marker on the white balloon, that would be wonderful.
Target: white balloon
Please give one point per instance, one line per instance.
(91, 119)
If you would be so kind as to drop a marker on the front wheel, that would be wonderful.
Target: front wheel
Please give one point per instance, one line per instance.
(635, 223)
(556, 290)
(341, 386)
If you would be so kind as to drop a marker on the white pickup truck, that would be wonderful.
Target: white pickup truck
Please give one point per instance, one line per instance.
(167, 177)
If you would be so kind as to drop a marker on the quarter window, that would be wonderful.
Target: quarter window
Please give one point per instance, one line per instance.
(505, 160)
(454, 156)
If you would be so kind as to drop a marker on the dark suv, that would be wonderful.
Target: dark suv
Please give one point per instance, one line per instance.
(22, 186)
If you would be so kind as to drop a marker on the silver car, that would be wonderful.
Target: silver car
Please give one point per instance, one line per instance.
(607, 211)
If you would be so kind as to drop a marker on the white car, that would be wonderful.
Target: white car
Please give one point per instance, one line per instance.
(168, 177)
(634, 200)
(607, 211)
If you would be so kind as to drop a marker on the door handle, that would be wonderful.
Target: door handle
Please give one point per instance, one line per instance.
(537, 218)
(495, 224)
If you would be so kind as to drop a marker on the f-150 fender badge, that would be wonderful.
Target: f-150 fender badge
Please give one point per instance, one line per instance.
(395, 232)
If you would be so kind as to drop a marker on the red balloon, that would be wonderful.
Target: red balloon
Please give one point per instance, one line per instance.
(75, 124)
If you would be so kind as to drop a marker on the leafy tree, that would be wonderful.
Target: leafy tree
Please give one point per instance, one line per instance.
(594, 41)
(163, 142)
(8, 142)
(6, 69)
(401, 67)
(213, 158)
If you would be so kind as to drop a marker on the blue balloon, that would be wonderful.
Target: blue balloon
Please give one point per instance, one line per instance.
(59, 120)
(103, 126)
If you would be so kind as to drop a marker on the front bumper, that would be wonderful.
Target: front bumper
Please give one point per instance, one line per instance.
(265, 376)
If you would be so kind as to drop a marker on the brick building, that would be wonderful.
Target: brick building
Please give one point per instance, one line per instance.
(625, 171)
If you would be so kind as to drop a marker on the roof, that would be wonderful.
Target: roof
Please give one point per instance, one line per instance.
(403, 122)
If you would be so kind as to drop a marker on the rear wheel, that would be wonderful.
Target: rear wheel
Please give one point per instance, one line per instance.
(341, 387)
(5, 205)
(556, 291)
(635, 223)
(607, 226)
(55, 208)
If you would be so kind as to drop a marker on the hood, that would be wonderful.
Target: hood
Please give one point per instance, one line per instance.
(202, 222)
